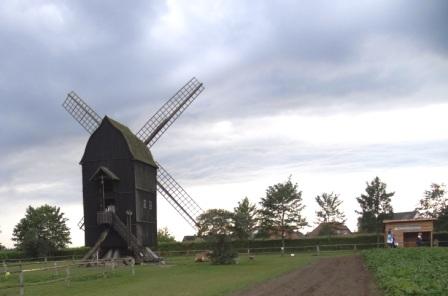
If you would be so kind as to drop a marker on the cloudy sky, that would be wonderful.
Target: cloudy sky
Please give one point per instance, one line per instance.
(333, 93)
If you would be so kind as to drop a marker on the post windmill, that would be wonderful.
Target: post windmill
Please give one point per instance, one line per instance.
(120, 179)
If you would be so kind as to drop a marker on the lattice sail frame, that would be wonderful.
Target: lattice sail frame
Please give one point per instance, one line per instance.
(177, 197)
(156, 126)
(81, 112)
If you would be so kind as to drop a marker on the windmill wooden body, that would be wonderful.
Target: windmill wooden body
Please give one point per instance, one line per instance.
(121, 178)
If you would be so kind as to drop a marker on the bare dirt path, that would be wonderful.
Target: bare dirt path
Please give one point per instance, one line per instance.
(345, 276)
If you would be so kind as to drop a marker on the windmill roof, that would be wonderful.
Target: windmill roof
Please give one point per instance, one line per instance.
(138, 149)
(102, 170)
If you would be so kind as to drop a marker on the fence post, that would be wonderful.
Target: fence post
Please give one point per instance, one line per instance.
(56, 271)
(317, 250)
(67, 276)
(5, 267)
(132, 267)
(21, 283)
(97, 261)
(104, 269)
(354, 247)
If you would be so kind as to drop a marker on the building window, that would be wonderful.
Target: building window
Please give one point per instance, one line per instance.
(149, 205)
(144, 203)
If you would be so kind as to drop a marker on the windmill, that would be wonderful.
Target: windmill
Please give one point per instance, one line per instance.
(120, 179)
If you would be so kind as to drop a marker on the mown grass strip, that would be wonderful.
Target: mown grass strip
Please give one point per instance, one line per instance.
(181, 276)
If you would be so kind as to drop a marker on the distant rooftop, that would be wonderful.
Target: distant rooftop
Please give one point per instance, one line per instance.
(337, 228)
(405, 215)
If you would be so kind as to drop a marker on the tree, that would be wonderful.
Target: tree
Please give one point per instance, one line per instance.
(375, 207)
(281, 209)
(222, 250)
(442, 221)
(434, 204)
(244, 219)
(2, 247)
(329, 208)
(42, 231)
(164, 236)
(214, 222)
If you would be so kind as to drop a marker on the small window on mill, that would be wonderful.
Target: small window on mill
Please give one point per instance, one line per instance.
(144, 203)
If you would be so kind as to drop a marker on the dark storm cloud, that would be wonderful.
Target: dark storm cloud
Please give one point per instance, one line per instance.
(332, 31)
(283, 56)
(93, 49)
(315, 55)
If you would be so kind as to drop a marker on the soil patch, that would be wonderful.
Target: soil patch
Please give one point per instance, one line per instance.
(345, 276)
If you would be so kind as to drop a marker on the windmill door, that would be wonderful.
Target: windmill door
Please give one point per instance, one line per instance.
(106, 182)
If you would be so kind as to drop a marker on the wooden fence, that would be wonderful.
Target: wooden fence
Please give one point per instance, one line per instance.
(49, 272)
(67, 268)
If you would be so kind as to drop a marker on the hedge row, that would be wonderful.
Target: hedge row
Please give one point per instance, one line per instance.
(442, 237)
(11, 254)
(255, 245)
(361, 241)
(59, 254)
(71, 252)
(274, 245)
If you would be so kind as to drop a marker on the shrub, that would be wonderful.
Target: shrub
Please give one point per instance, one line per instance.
(222, 251)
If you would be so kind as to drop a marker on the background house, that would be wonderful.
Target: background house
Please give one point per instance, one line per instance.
(329, 228)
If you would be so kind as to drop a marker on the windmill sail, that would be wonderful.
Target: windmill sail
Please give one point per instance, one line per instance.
(177, 197)
(81, 112)
(156, 126)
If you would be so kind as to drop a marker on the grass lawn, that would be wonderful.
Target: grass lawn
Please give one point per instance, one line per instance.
(410, 271)
(181, 276)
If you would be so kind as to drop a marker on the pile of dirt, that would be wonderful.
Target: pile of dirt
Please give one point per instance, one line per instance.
(345, 276)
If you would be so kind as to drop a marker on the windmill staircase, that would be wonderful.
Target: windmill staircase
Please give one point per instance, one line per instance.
(141, 253)
(97, 245)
